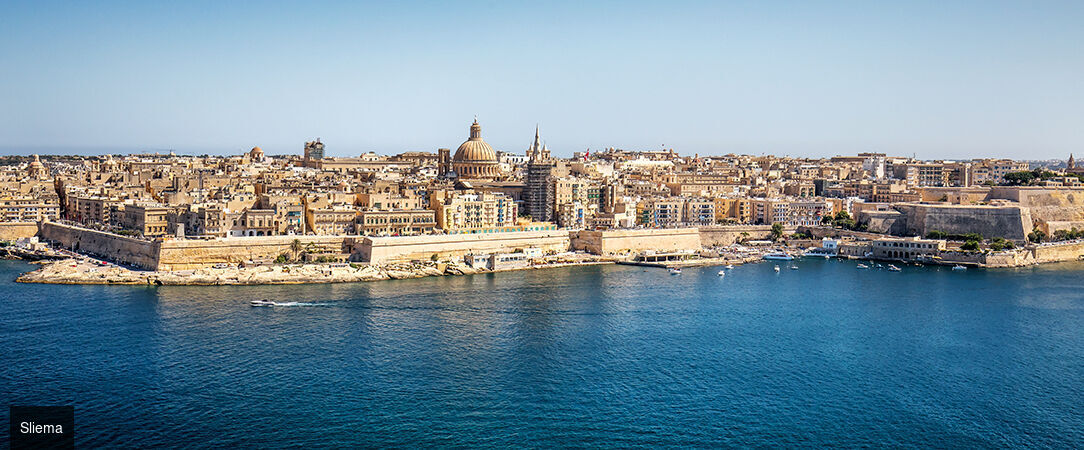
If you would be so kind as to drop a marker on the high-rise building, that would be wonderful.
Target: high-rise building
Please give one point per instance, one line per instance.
(542, 170)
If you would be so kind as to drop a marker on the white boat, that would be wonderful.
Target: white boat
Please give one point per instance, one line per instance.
(777, 268)
(258, 303)
(959, 267)
(722, 273)
(729, 266)
(892, 268)
(675, 271)
(862, 266)
(793, 267)
(778, 256)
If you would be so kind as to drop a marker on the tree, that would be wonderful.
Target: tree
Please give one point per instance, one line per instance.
(970, 246)
(936, 234)
(296, 248)
(777, 231)
(1019, 178)
(1037, 236)
(998, 244)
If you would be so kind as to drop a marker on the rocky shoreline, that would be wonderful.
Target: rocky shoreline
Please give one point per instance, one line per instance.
(72, 271)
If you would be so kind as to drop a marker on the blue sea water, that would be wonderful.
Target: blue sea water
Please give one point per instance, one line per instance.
(604, 356)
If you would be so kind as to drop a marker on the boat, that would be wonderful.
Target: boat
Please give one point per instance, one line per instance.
(862, 266)
(729, 266)
(259, 303)
(722, 273)
(959, 267)
(675, 271)
(892, 268)
(778, 256)
(793, 267)
(777, 268)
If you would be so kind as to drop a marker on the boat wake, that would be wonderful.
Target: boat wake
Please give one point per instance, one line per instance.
(268, 303)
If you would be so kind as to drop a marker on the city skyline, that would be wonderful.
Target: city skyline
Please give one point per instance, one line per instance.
(768, 78)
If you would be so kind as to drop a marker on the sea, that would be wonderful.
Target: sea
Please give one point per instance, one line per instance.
(824, 355)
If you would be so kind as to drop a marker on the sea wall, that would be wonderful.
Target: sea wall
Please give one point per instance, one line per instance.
(1009, 222)
(380, 250)
(10, 231)
(1056, 252)
(137, 252)
(722, 235)
(186, 254)
(611, 242)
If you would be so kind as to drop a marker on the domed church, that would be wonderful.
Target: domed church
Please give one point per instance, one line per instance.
(475, 159)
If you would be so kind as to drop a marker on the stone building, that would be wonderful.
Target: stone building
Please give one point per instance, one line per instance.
(475, 159)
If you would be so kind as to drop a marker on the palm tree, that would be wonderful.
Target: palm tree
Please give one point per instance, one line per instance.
(296, 247)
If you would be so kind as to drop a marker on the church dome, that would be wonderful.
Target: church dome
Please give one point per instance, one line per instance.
(475, 149)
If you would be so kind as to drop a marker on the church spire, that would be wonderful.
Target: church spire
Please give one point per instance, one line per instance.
(1071, 164)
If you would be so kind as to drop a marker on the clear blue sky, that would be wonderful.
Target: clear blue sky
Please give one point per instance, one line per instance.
(939, 79)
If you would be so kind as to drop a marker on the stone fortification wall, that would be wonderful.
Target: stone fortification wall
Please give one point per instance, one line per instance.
(380, 250)
(137, 252)
(611, 242)
(1039, 196)
(186, 254)
(1009, 222)
(725, 235)
(1070, 251)
(886, 222)
(10, 231)
(957, 195)
(1048, 205)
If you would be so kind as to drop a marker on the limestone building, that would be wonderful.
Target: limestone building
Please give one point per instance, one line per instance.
(314, 150)
(475, 159)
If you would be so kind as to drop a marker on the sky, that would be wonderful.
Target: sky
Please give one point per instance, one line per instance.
(936, 79)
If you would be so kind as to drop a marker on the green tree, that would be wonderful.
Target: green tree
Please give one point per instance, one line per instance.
(970, 246)
(1037, 236)
(1019, 178)
(777, 231)
(296, 247)
(936, 234)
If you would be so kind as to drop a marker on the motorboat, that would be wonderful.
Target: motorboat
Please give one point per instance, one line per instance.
(892, 268)
(778, 256)
(729, 266)
(959, 267)
(722, 273)
(777, 269)
(862, 266)
(261, 303)
(793, 267)
(675, 271)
